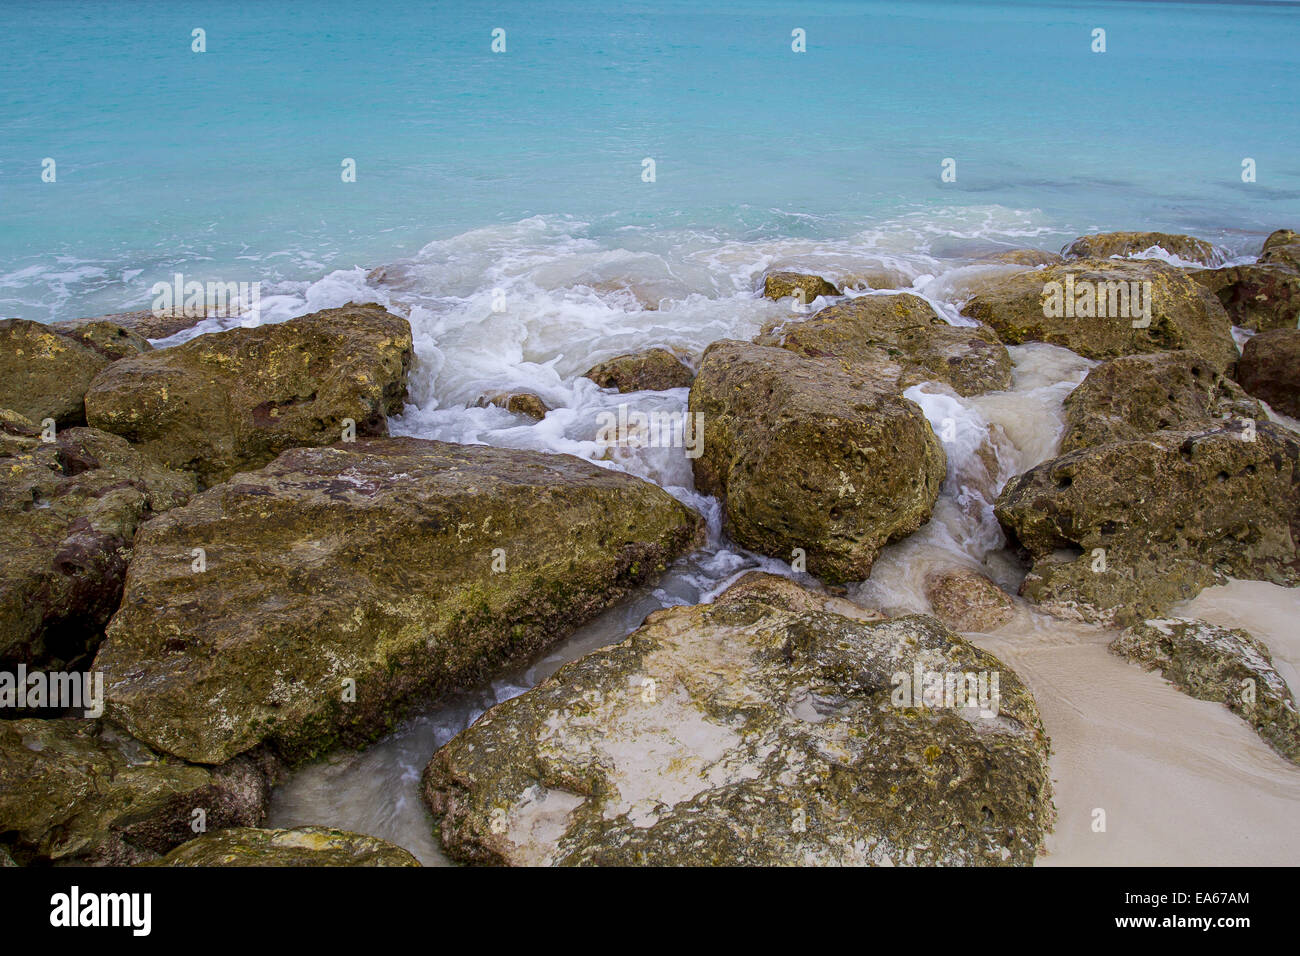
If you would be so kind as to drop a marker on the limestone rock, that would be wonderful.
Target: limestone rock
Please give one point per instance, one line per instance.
(804, 453)
(1270, 369)
(44, 374)
(1030, 307)
(1257, 297)
(521, 403)
(1119, 532)
(654, 369)
(1283, 247)
(780, 285)
(110, 340)
(763, 730)
(300, 846)
(1228, 665)
(78, 791)
(1134, 395)
(344, 583)
(231, 401)
(1103, 245)
(966, 600)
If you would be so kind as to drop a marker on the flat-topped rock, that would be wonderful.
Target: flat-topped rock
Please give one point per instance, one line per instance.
(1103, 245)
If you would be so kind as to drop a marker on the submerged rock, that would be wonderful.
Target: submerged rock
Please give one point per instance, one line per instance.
(1258, 297)
(301, 846)
(231, 401)
(807, 454)
(78, 791)
(521, 403)
(906, 330)
(780, 285)
(653, 369)
(1119, 532)
(44, 374)
(1270, 369)
(966, 600)
(71, 508)
(340, 584)
(762, 729)
(1228, 665)
(1103, 245)
(1090, 307)
(1134, 395)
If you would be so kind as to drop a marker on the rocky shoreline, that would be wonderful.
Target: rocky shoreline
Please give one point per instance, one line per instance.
(226, 531)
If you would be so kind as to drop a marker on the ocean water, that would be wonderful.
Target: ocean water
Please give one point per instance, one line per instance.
(226, 165)
(499, 206)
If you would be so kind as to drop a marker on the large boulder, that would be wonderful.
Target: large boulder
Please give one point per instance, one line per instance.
(71, 508)
(231, 401)
(1119, 532)
(1258, 297)
(903, 329)
(1270, 369)
(806, 454)
(1091, 307)
(44, 374)
(340, 584)
(1134, 395)
(78, 791)
(1228, 665)
(763, 729)
(300, 846)
(654, 369)
(780, 285)
(1283, 247)
(1103, 245)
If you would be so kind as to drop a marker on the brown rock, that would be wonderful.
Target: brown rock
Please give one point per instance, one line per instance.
(1269, 369)
(966, 600)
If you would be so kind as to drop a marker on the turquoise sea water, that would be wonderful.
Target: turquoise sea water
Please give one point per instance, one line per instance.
(226, 164)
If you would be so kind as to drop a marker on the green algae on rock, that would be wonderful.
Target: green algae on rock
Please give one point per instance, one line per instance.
(44, 374)
(1228, 665)
(903, 329)
(763, 729)
(1119, 532)
(300, 846)
(71, 507)
(1109, 296)
(813, 454)
(231, 401)
(79, 791)
(1269, 369)
(343, 583)
(780, 285)
(654, 369)
(1103, 245)
(1134, 395)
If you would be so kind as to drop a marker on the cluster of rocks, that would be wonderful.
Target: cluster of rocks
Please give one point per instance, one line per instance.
(225, 530)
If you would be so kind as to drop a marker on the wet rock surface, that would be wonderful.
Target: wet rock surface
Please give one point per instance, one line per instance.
(807, 454)
(1269, 369)
(231, 401)
(300, 846)
(653, 369)
(44, 374)
(1103, 245)
(340, 584)
(966, 600)
(780, 285)
(762, 729)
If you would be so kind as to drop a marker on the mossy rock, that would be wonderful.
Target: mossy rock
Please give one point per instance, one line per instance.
(300, 846)
(231, 401)
(343, 584)
(71, 507)
(1228, 665)
(1183, 314)
(44, 374)
(813, 454)
(1135, 395)
(1269, 369)
(1103, 245)
(764, 729)
(79, 791)
(1282, 247)
(1120, 532)
(903, 329)
(653, 369)
(521, 403)
(781, 285)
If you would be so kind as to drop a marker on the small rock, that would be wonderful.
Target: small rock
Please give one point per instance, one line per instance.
(110, 340)
(653, 369)
(966, 600)
(1228, 665)
(521, 403)
(301, 846)
(779, 285)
